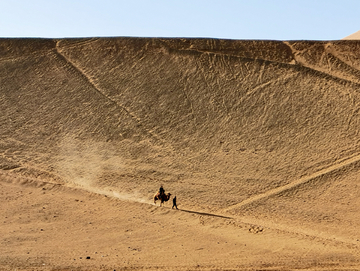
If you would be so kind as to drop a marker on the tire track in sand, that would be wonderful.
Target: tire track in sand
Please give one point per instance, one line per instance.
(344, 162)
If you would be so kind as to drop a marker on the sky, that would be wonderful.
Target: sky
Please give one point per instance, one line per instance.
(225, 19)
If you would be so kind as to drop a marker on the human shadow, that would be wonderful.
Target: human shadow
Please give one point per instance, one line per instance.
(203, 213)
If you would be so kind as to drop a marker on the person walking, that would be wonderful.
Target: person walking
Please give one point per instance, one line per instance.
(174, 203)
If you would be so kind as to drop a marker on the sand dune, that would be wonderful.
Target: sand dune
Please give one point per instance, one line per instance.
(354, 36)
(257, 139)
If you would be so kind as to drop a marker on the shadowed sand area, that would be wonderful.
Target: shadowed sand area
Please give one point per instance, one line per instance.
(258, 140)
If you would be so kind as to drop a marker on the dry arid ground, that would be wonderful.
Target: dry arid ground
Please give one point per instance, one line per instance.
(354, 36)
(258, 140)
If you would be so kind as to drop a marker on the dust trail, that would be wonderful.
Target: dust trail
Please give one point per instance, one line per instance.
(134, 197)
(83, 164)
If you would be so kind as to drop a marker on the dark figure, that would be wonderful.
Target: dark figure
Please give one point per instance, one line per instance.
(161, 191)
(162, 198)
(174, 203)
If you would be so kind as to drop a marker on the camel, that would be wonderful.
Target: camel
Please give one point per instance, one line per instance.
(162, 198)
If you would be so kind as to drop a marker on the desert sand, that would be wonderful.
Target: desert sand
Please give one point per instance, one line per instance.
(258, 140)
(354, 36)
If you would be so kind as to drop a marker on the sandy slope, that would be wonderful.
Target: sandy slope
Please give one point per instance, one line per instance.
(257, 139)
(354, 36)
(50, 227)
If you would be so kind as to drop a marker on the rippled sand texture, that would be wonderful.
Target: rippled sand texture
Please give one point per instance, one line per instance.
(258, 140)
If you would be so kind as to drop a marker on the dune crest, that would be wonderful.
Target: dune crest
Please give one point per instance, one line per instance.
(354, 36)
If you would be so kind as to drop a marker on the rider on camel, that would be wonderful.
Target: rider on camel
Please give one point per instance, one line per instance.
(161, 191)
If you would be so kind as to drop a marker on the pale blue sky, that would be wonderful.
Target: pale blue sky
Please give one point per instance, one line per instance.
(231, 19)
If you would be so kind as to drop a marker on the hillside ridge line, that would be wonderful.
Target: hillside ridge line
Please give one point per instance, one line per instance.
(302, 180)
(91, 82)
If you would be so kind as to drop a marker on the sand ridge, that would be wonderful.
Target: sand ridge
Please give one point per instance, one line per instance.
(345, 162)
(354, 36)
